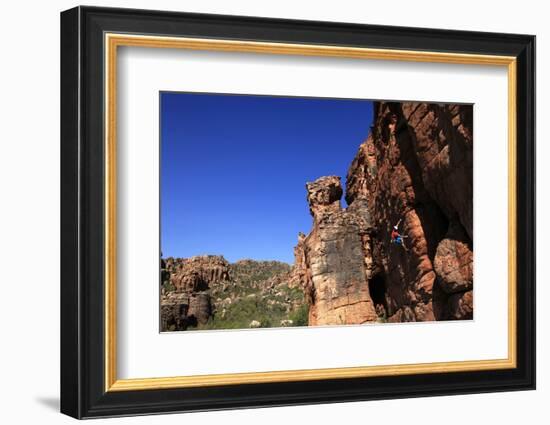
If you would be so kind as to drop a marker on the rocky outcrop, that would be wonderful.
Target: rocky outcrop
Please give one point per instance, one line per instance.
(416, 166)
(208, 292)
(415, 170)
(197, 273)
(330, 261)
(181, 310)
(185, 292)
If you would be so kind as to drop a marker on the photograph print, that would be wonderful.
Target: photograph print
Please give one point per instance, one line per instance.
(297, 211)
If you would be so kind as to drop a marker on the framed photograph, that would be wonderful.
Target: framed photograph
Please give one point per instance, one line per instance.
(261, 212)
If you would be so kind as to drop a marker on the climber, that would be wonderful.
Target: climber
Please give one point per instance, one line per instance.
(396, 237)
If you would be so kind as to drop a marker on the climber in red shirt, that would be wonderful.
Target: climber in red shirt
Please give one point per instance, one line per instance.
(396, 237)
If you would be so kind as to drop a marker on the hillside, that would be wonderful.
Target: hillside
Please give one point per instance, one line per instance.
(207, 292)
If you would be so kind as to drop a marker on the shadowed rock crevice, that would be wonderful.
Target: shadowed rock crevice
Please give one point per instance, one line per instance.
(378, 291)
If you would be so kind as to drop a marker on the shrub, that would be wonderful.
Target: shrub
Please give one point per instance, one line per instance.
(300, 316)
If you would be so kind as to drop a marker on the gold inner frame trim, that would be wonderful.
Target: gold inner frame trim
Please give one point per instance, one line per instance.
(113, 41)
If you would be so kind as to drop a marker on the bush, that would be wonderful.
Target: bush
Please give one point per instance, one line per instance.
(300, 316)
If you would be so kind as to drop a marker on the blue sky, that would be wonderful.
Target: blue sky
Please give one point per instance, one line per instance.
(234, 168)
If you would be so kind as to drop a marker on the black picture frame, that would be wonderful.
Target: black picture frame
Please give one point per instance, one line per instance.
(83, 392)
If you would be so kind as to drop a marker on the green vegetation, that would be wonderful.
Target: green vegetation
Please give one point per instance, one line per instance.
(282, 306)
(252, 294)
(299, 316)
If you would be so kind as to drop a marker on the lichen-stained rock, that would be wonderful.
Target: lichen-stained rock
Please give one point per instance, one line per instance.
(330, 260)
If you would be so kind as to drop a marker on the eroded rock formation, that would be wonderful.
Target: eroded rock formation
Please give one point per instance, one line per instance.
(197, 273)
(185, 296)
(415, 169)
(330, 260)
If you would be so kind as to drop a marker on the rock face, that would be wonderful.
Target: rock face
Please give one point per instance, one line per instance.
(185, 296)
(330, 260)
(197, 273)
(415, 169)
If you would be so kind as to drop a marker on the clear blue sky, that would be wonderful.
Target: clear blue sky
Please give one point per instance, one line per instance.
(234, 168)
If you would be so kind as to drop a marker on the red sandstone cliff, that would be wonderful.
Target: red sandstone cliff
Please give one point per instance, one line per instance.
(415, 166)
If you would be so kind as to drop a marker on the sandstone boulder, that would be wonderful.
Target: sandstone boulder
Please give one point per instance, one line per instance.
(461, 306)
(454, 261)
(255, 324)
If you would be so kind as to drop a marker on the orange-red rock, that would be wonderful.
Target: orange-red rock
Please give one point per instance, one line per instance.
(415, 169)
